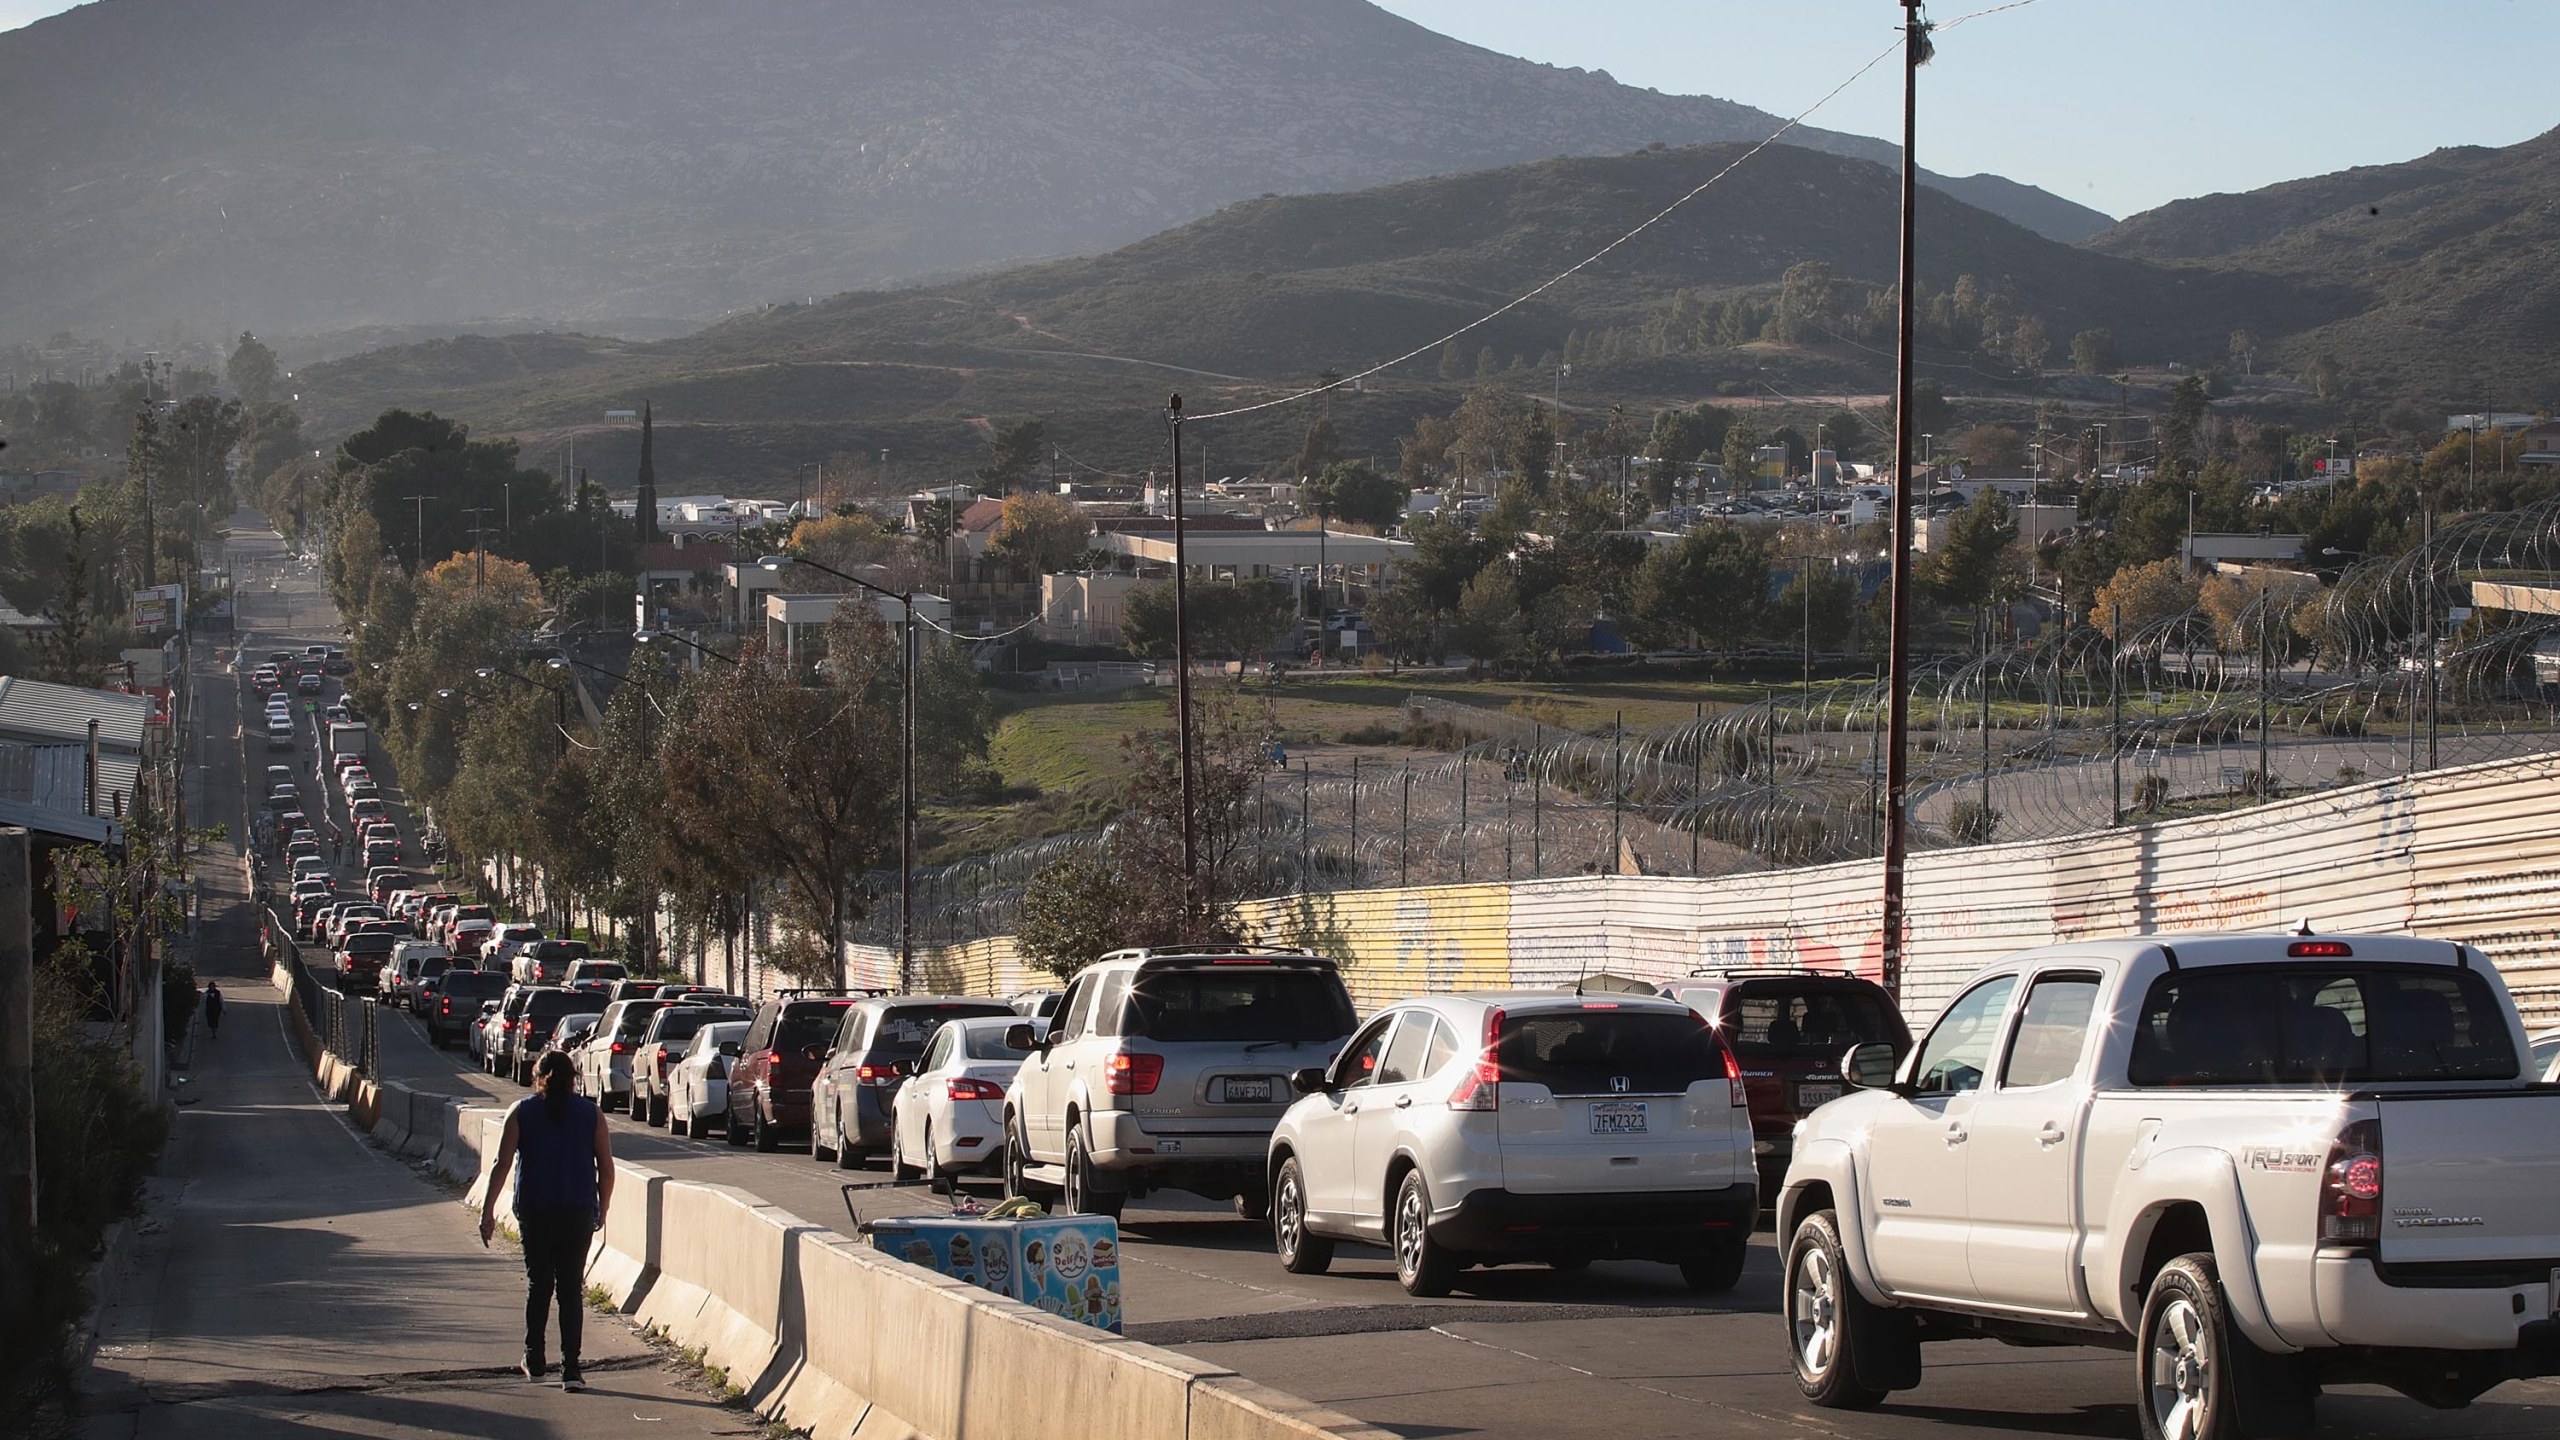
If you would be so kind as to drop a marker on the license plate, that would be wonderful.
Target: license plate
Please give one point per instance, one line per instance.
(1618, 1118)
(1818, 1092)
(1249, 1092)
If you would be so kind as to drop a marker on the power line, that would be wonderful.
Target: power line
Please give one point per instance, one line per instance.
(1578, 266)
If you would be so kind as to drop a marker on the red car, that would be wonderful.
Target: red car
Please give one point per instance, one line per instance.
(769, 1083)
(1789, 1029)
(360, 960)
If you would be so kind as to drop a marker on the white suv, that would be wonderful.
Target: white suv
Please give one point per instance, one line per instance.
(1527, 1125)
(1166, 1070)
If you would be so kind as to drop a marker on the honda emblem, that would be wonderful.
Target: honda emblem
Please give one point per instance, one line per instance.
(1619, 1085)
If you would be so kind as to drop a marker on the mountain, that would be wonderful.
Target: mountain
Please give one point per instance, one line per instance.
(1250, 301)
(317, 165)
(2452, 263)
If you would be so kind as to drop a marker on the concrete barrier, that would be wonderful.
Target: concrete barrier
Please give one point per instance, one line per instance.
(725, 1260)
(627, 1264)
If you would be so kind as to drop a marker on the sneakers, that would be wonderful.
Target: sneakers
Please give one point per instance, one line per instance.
(570, 1379)
(531, 1367)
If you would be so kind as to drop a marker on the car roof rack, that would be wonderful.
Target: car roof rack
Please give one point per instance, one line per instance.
(1182, 952)
(1827, 972)
(807, 992)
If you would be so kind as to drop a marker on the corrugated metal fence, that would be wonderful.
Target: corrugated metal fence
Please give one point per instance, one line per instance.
(2469, 854)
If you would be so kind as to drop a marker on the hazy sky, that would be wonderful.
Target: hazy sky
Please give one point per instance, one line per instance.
(2114, 105)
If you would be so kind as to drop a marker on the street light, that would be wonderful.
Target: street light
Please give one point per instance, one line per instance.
(559, 700)
(774, 564)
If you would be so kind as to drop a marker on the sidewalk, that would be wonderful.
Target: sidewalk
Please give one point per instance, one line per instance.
(289, 1280)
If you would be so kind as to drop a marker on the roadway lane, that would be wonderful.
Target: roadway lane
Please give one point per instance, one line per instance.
(1622, 1349)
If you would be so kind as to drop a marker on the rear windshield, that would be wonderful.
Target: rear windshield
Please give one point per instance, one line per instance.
(550, 1003)
(2320, 1025)
(1782, 1019)
(433, 965)
(560, 950)
(375, 943)
(1609, 1052)
(635, 1017)
(1238, 1003)
(904, 1029)
(599, 969)
(811, 1023)
(676, 1022)
(474, 984)
(987, 1043)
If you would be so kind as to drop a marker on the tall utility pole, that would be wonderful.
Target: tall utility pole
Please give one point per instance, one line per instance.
(17, 1081)
(1182, 670)
(1915, 53)
(420, 564)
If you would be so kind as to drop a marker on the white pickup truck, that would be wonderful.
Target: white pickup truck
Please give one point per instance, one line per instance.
(2257, 1162)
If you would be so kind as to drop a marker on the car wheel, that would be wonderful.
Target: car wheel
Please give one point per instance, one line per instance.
(1840, 1344)
(2199, 1378)
(1718, 1270)
(1083, 1196)
(1423, 1266)
(937, 1179)
(676, 1123)
(766, 1141)
(900, 1172)
(1300, 1253)
(818, 1151)
(731, 1130)
(847, 1156)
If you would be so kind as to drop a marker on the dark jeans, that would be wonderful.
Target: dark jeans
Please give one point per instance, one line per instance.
(555, 1262)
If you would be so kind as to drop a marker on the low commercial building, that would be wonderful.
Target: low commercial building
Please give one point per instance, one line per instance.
(1371, 560)
(1084, 608)
(797, 623)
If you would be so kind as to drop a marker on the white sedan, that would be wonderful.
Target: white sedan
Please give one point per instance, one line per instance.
(949, 1116)
(698, 1086)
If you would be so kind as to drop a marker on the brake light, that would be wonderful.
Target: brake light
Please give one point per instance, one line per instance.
(448, 1007)
(963, 1088)
(875, 1074)
(1732, 1063)
(2351, 1186)
(621, 1049)
(2320, 950)
(1132, 1072)
(1479, 1088)
(1239, 960)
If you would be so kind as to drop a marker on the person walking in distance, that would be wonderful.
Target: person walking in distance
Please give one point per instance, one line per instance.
(562, 1194)
(213, 1009)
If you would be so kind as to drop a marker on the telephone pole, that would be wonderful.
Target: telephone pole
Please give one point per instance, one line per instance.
(1915, 53)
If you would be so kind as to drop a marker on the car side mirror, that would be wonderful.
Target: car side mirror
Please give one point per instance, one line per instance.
(813, 1052)
(1870, 1066)
(1311, 1081)
(1026, 1036)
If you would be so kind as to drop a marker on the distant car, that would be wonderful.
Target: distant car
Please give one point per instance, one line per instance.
(466, 937)
(367, 808)
(359, 961)
(604, 1062)
(597, 975)
(950, 1112)
(670, 1029)
(412, 963)
(309, 685)
(498, 952)
(452, 1007)
(547, 962)
(280, 734)
(779, 1067)
(627, 989)
(2546, 1058)
(543, 1007)
(265, 677)
(698, 1085)
(876, 1045)
(568, 1034)
(1789, 1028)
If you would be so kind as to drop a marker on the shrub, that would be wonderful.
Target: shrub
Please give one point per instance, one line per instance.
(1972, 822)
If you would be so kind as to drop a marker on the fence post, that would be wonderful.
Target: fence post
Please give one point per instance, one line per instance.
(1356, 876)
(1404, 830)
(1697, 781)
(1306, 835)
(1617, 790)
(1463, 846)
(1537, 800)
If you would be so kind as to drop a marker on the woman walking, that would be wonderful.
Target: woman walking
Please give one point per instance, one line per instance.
(213, 1009)
(561, 1198)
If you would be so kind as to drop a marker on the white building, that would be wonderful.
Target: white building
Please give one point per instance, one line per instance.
(794, 621)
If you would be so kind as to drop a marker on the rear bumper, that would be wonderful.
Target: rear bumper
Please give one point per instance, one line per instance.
(2359, 1308)
(1120, 1142)
(1655, 1225)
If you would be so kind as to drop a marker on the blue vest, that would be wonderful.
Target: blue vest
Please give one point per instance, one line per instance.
(555, 1159)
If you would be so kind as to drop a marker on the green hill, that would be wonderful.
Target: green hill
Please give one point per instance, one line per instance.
(1266, 294)
(2452, 262)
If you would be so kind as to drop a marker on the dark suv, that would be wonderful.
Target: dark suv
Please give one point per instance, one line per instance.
(453, 1002)
(770, 1081)
(1789, 1029)
(543, 1008)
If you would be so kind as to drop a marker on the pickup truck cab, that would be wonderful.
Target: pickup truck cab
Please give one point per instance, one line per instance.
(2258, 1162)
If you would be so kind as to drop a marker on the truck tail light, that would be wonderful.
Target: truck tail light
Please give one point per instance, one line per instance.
(1480, 1088)
(2351, 1187)
(963, 1088)
(1132, 1072)
(1732, 1069)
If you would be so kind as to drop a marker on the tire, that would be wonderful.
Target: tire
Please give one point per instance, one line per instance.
(1424, 1267)
(818, 1152)
(2196, 1377)
(676, 1123)
(1846, 1352)
(659, 1115)
(1300, 1252)
(902, 1173)
(848, 1156)
(1083, 1197)
(766, 1141)
(730, 1130)
(1718, 1270)
(1253, 1205)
